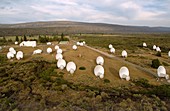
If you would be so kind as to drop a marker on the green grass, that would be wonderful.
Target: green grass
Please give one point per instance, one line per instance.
(129, 41)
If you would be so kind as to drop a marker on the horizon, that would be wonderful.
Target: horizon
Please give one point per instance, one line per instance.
(153, 13)
(87, 23)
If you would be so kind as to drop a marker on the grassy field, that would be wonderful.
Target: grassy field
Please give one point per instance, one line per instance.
(132, 43)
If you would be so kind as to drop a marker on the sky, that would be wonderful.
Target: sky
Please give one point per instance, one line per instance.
(123, 12)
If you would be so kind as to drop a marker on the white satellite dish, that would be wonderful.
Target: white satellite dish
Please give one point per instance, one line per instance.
(74, 47)
(11, 49)
(21, 44)
(112, 50)
(10, 55)
(49, 50)
(59, 51)
(84, 42)
(58, 56)
(78, 43)
(38, 51)
(81, 44)
(124, 53)
(110, 46)
(169, 54)
(100, 60)
(154, 47)
(19, 55)
(99, 71)
(57, 47)
(61, 63)
(158, 49)
(48, 43)
(161, 71)
(124, 73)
(16, 42)
(71, 67)
(144, 44)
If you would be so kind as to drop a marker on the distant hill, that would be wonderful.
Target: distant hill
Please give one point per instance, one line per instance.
(54, 27)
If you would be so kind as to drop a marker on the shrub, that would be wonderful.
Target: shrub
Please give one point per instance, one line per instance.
(142, 82)
(46, 74)
(155, 63)
(158, 54)
(161, 91)
(82, 68)
(106, 81)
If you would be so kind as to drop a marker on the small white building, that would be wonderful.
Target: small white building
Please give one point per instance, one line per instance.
(28, 44)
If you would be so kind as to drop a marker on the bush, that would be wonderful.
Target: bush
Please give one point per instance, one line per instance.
(106, 81)
(82, 68)
(142, 82)
(158, 54)
(155, 63)
(161, 91)
(46, 74)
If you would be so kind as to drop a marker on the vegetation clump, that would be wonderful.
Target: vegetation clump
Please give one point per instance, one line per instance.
(155, 63)
(82, 68)
(158, 54)
(106, 81)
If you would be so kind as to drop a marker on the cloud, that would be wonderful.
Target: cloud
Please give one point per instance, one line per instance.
(131, 12)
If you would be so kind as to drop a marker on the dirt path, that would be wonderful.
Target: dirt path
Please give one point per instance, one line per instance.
(117, 58)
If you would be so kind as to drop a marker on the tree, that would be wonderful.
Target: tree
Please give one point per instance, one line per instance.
(21, 39)
(62, 37)
(25, 38)
(4, 39)
(17, 39)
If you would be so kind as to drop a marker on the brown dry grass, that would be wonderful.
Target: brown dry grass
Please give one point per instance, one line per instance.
(86, 60)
